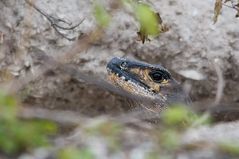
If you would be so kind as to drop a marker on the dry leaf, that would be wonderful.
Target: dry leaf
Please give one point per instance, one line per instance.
(217, 10)
(142, 36)
(160, 21)
(163, 27)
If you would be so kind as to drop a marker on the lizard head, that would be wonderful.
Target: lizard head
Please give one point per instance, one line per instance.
(146, 80)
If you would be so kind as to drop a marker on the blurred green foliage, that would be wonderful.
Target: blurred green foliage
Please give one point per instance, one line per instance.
(179, 116)
(147, 18)
(110, 131)
(176, 116)
(152, 155)
(176, 119)
(101, 15)
(75, 153)
(8, 108)
(229, 148)
(105, 128)
(18, 135)
(150, 21)
(169, 139)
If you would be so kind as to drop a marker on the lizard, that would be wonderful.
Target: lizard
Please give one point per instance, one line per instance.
(149, 82)
(151, 86)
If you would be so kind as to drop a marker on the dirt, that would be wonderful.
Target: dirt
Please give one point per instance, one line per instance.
(191, 50)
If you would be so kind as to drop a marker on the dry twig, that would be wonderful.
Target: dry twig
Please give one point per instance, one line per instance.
(55, 22)
(61, 117)
(220, 84)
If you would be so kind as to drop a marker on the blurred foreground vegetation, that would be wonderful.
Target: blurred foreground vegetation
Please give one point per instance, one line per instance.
(20, 135)
(17, 135)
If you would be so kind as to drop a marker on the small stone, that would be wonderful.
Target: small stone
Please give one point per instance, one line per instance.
(192, 74)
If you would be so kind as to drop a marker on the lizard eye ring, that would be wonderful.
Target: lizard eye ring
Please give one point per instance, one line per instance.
(157, 76)
(123, 65)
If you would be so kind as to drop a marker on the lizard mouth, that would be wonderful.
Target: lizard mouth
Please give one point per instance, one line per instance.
(139, 78)
(118, 69)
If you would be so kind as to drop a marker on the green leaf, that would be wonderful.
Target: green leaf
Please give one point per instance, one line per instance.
(148, 19)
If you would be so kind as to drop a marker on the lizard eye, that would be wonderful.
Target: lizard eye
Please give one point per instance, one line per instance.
(158, 76)
(123, 65)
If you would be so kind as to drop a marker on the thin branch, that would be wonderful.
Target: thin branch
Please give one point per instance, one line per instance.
(71, 118)
(60, 117)
(220, 84)
(233, 7)
(54, 22)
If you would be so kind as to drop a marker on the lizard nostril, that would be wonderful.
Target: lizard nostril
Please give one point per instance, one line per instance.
(123, 65)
